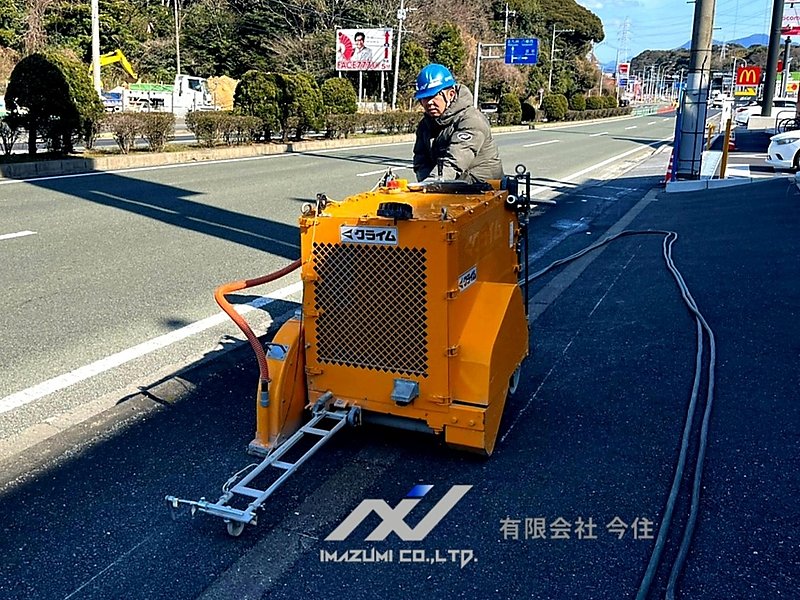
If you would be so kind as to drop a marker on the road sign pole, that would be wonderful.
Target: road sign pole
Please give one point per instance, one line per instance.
(477, 75)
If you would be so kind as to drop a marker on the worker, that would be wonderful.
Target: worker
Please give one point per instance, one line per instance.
(452, 131)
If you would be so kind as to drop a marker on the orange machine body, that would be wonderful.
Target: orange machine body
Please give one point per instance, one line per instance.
(418, 318)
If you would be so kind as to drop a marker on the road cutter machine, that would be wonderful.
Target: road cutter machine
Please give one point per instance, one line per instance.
(413, 316)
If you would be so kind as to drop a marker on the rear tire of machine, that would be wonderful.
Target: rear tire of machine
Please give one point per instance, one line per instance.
(513, 382)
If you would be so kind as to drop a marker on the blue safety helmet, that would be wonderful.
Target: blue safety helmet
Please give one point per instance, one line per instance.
(433, 79)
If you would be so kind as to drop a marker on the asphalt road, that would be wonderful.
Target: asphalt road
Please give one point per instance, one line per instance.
(117, 260)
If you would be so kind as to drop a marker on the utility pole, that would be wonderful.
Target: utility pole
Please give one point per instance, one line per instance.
(177, 41)
(513, 13)
(552, 55)
(402, 13)
(786, 60)
(772, 58)
(695, 99)
(96, 45)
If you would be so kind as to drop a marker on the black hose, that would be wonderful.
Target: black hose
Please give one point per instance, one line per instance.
(669, 239)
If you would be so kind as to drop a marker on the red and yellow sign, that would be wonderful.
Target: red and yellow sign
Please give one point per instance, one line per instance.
(748, 76)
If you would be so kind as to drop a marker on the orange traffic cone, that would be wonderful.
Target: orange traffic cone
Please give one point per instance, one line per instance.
(668, 174)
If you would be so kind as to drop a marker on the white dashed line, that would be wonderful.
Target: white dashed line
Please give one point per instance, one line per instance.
(8, 236)
(597, 134)
(632, 127)
(540, 143)
(652, 122)
(368, 173)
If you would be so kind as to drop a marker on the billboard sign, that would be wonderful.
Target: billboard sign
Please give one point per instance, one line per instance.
(522, 51)
(623, 69)
(790, 25)
(363, 49)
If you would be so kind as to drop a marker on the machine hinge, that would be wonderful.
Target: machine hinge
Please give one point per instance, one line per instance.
(450, 236)
(451, 294)
(313, 371)
(442, 400)
(452, 350)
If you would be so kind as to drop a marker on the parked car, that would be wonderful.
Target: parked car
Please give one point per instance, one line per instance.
(780, 106)
(784, 150)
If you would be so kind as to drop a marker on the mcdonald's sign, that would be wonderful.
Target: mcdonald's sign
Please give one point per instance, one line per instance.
(748, 76)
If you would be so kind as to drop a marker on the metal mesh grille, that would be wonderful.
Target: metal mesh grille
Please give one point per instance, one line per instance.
(372, 307)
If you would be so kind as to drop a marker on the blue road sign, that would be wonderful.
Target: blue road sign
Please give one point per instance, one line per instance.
(522, 51)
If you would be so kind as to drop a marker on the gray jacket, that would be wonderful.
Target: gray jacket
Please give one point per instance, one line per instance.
(462, 138)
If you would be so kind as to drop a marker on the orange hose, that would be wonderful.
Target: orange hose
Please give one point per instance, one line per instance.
(227, 307)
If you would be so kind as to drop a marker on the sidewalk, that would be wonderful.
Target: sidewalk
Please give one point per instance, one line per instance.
(628, 365)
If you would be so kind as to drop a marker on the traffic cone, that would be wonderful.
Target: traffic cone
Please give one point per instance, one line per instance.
(668, 174)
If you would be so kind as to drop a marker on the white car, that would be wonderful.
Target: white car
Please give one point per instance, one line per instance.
(783, 107)
(784, 150)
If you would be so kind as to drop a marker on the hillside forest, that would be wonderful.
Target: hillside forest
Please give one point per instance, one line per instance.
(230, 37)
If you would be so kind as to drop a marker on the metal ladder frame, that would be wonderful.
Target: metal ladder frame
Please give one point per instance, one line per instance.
(236, 518)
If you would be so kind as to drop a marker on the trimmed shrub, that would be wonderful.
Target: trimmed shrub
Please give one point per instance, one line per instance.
(339, 96)
(555, 106)
(125, 127)
(609, 102)
(206, 126)
(594, 103)
(577, 102)
(9, 134)
(157, 128)
(509, 110)
(528, 112)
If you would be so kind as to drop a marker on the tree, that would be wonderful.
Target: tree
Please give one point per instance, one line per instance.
(339, 96)
(12, 21)
(448, 49)
(509, 109)
(302, 103)
(52, 96)
(258, 95)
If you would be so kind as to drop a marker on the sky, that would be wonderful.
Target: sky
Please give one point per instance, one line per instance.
(667, 24)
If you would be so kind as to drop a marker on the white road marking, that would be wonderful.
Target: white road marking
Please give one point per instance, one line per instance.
(368, 173)
(591, 168)
(632, 127)
(8, 236)
(64, 381)
(597, 134)
(652, 122)
(540, 143)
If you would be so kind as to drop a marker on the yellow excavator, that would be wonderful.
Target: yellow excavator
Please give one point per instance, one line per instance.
(118, 57)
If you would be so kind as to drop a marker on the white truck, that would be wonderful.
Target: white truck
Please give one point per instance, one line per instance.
(186, 94)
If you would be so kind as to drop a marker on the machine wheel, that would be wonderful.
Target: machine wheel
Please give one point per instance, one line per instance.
(235, 528)
(513, 382)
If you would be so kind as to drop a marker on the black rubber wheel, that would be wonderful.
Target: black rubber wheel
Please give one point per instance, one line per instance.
(235, 528)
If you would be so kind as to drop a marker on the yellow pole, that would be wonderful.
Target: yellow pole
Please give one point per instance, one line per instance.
(710, 133)
(724, 165)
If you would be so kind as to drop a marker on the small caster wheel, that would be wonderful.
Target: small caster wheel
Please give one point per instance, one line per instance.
(235, 528)
(513, 383)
